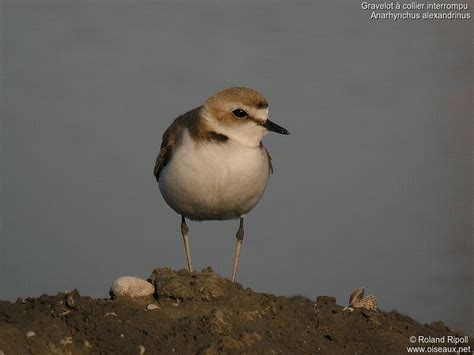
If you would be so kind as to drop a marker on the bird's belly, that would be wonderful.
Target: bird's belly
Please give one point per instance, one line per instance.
(210, 181)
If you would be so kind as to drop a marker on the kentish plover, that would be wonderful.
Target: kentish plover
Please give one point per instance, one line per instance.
(212, 164)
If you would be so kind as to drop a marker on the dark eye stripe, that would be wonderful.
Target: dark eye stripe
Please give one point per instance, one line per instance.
(239, 113)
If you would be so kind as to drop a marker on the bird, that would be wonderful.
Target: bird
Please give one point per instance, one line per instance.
(212, 164)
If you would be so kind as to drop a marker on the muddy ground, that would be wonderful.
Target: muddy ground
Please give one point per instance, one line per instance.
(203, 313)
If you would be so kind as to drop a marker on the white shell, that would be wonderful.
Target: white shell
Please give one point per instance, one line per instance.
(130, 286)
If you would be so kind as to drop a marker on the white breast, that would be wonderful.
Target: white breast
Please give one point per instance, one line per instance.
(210, 180)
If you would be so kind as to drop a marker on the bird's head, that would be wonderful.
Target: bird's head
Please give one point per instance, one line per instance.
(241, 114)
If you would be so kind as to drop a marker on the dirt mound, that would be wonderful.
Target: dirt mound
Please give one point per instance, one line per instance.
(203, 313)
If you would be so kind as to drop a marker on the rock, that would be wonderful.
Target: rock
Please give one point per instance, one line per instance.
(325, 300)
(152, 306)
(130, 286)
(30, 334)
(185, 285)
(87, 344)
(219, 322)
(66, 341)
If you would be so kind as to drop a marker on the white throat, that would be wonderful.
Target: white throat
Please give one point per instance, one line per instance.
(247, 133)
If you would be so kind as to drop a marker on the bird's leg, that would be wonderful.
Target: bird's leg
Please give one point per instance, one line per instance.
(240, 238)
(185, 233)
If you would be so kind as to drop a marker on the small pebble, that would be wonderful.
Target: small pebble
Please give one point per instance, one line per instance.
(66, 312)
(130, 286)
(140, 347)
(30, 334)
(122, 336)
(152, 306)
(66, 341)
(87, 344)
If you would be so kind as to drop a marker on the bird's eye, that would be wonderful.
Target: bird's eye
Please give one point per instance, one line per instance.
(239, 113)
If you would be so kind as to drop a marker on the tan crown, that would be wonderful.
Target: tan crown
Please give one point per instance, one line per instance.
(221, 105)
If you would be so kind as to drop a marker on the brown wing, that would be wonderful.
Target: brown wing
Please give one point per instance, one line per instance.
(171, 139)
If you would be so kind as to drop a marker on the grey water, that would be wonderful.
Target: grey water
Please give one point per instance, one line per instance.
(372, 188)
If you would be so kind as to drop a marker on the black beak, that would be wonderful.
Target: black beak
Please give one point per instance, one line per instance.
(271, 126)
